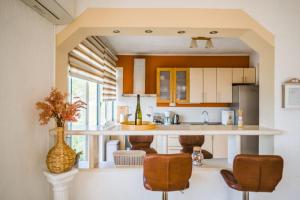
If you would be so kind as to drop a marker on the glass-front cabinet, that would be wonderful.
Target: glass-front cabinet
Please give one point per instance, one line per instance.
(173, 85)
(164, 85)
(182, 85)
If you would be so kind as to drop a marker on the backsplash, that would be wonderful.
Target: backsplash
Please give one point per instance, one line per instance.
(187, 114)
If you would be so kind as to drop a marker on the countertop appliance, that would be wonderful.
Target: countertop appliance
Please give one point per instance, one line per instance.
(246, 98)
(167, 119)
(176, 119)
(227, 117)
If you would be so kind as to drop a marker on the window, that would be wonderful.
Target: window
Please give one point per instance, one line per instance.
(107, 112)
(97, 113)
(79, 89)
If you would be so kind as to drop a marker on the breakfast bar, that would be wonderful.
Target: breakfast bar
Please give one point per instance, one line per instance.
(162, 132)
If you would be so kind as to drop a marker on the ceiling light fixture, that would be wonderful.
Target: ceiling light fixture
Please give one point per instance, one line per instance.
(181, 32)
(208, 44)
(116, 31)
(148, 31)
(213, 32)
(193, 43)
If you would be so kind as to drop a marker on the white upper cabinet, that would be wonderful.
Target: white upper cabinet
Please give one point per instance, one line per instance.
(224, 85)
(243, 75)
(196, 85)
(249, 75)
(237, 75)
(209, 85)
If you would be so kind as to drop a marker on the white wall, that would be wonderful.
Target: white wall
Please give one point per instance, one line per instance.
(282, 19)
(27, 46)
(254, 62)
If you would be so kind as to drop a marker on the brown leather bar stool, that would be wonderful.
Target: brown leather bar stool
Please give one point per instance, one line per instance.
(167, 172)
(254, 173)
(142, 143)
(188, 142)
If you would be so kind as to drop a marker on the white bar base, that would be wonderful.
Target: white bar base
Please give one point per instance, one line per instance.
(60, 183)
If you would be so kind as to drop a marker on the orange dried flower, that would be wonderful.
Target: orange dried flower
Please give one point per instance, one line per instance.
(55, 106)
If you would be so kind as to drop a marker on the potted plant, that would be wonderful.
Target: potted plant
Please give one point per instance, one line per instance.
(61, 157)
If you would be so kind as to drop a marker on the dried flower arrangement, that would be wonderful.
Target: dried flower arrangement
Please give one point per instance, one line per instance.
(56, 106)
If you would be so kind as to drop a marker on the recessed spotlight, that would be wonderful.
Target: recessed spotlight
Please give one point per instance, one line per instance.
(116, 31)
(181, 32)
(213, 32)
(148, 31)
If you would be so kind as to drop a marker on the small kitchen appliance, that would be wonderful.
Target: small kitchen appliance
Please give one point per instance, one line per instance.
(176, 119)
(167, 119)
(227, 117)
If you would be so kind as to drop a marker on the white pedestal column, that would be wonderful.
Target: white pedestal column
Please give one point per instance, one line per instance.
(60, 183)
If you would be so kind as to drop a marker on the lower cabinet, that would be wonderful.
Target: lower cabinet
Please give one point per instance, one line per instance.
(217, 145)
(220, 146)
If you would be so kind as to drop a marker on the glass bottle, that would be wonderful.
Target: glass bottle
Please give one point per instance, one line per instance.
(197, 156)
(138, 112)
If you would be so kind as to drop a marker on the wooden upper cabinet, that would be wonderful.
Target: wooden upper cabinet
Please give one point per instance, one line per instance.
(224, 85)
(182, 85)
(209, 85)
(237, 75)
(249, 75)
(196, 85)
(164, 84)
(173, 85)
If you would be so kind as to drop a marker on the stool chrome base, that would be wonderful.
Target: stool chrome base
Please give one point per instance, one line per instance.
(164, 196)
(245, 195)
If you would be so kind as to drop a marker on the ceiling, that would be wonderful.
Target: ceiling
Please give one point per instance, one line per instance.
(142, 45)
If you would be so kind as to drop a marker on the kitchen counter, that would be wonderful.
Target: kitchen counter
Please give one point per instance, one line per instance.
(184, 129)
(235, 144)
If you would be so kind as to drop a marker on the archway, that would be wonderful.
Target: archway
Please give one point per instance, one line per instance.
(229, 23)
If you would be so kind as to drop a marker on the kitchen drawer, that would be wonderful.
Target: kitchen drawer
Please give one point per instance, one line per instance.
(173, 141)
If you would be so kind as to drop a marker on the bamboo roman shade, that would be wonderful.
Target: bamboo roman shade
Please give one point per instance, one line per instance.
(92, 60)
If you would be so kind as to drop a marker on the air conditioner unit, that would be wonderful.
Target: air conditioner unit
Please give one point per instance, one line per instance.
(51, 10)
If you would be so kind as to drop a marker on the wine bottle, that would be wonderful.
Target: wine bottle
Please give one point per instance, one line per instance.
(138, 112)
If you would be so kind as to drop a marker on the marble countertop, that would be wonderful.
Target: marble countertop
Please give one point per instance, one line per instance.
(183, 129)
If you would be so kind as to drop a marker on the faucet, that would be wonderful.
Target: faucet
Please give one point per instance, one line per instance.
(204, 117)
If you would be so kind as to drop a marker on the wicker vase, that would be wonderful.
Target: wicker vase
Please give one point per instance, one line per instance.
(61, 157)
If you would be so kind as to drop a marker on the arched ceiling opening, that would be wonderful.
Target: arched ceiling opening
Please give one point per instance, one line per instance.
(166, 22)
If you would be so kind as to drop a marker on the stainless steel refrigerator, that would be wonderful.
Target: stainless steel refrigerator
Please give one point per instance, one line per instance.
(246, 98)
